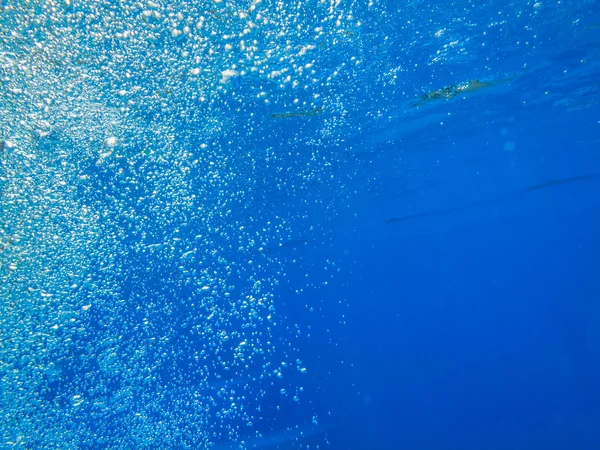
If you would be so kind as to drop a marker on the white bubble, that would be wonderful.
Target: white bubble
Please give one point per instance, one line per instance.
(6, 145)
(227, 75)
(111, 142)
(76, 400)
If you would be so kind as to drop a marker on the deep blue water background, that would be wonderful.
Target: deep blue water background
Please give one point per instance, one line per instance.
(473, 324)
(478, 332)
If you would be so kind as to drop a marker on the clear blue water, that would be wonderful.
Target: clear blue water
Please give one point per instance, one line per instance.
(336, 225)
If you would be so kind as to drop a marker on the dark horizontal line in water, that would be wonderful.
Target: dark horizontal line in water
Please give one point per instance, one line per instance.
(535, 187)
(291, 115)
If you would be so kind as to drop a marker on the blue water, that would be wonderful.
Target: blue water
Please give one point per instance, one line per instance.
(300, 225)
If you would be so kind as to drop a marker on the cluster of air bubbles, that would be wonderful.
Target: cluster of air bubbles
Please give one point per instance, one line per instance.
(142, 154)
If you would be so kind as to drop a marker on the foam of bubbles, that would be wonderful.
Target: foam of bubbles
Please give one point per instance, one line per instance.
(137, 187)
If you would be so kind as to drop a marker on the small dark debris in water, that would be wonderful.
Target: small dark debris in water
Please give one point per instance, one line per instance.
(290, 115)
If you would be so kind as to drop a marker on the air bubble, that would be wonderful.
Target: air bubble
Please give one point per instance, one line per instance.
(111, 142)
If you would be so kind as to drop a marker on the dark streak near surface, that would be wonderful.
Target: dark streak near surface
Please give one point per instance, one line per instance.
(560, 181)
(535, 187)
(290, 115)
